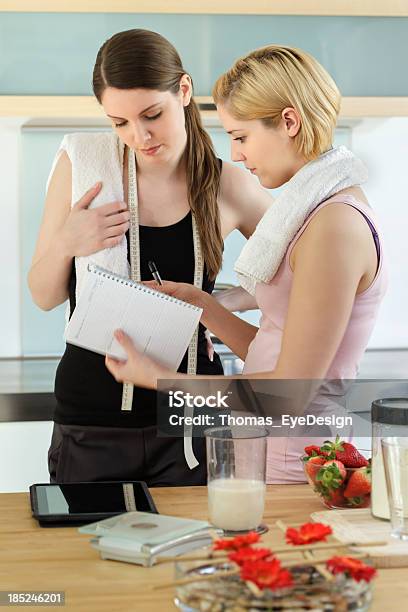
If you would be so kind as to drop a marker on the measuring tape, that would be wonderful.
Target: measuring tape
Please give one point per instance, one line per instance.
(129, 497)
(134, 241)
(127, 393)
(192, 349)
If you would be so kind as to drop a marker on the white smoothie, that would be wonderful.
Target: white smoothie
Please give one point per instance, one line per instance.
(236, 504)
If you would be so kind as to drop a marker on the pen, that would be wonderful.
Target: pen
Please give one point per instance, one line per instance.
(155, 272)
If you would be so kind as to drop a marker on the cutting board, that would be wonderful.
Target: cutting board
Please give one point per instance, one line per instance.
(360, 526)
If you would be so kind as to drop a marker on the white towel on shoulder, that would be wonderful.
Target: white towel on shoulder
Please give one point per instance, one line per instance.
(318, 180)
(96, 156)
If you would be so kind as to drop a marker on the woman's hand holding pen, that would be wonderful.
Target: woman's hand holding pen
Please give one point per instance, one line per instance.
(138, 368)
(88, 230)
(187, 293)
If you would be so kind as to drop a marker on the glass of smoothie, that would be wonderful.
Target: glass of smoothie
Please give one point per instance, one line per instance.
(236, 468)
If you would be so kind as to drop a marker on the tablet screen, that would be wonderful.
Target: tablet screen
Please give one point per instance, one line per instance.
(92, 498)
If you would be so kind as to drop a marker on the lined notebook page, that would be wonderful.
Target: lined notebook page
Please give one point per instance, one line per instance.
(159, 325)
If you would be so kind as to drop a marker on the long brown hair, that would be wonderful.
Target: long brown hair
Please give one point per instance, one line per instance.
(143, 59)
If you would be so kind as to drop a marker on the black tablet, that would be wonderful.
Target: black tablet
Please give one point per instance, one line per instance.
(85, 502)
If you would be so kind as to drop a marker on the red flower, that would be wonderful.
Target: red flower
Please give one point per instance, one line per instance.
(266, 574)
(249, 554)
(354, 568)
(308, 533)
(237, 542)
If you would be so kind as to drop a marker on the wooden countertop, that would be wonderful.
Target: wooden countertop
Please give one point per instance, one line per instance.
(33, 558)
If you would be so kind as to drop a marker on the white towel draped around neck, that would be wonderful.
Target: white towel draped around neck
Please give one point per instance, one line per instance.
(318, 180)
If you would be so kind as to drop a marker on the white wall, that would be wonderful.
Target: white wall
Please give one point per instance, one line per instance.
(23, 454)
(383, 145)
(10, 342)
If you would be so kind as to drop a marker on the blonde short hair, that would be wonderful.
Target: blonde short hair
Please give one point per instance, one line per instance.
(267, 80)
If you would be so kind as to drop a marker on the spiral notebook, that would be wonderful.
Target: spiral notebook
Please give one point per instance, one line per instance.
(160, 326)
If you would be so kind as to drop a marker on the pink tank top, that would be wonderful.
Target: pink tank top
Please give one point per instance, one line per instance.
(284, 464)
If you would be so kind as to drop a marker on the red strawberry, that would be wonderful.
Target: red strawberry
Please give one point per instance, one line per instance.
(312, 450)
(330, 477)
(363, 501)
(345, 452)
(358, 486)
(312, 467)
(339, 465)
(350, 456)
(336, 498)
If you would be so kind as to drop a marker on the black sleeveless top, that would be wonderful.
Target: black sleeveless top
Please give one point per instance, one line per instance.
(86, 392)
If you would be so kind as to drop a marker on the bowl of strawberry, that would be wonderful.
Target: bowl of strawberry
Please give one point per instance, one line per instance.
(339, 473)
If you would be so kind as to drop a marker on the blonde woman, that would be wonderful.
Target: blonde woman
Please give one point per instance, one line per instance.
(187, 200)
(320, 291)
